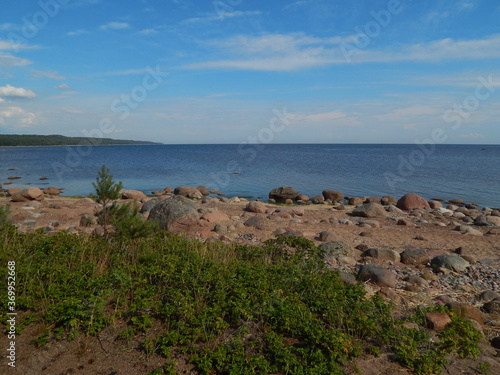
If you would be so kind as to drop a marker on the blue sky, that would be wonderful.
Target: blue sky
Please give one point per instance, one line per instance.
(233, 71)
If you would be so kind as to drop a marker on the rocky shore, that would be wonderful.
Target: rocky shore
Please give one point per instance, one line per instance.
(408, 249)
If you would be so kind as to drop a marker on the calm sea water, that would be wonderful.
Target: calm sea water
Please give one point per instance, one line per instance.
(470, 172)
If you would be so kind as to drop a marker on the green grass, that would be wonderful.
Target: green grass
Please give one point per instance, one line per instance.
(231, 309)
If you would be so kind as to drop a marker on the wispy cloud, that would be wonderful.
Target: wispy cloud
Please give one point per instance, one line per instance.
(148, 32)
(16, 92)
(9, 46)
(77, 32)
(288, 52)
(62, 86)
(7, 61)
(46, 74)
(128, 72)
(115, 26)
(222, 15)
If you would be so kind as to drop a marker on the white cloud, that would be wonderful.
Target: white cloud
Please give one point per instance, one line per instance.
(281, 52)
(77, 32)
(148, 32)
(46, 74)
(16, 92)
(325, 116)
(19, 117)
(62, 87)
(221, 15)
(115, 26)
(8, 61)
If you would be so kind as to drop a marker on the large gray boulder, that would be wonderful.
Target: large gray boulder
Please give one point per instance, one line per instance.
(337, 250)
(175, 214)
(370, 210)
(452, 262)
(281, 194)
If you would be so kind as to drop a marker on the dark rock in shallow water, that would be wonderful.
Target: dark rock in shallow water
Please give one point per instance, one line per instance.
(283, 193)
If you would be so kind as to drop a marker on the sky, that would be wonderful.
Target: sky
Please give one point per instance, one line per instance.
(241, 71)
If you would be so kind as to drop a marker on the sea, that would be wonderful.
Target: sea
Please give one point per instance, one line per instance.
(469, 172)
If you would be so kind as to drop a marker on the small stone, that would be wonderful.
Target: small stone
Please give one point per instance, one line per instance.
(327, 236)
(379, 275)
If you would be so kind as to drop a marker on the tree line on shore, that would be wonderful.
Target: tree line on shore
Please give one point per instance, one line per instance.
(60, 140)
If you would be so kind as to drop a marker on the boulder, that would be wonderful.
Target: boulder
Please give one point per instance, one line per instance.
(187, 191)
(466, 311)
(318, 199)
(382, 254)
(377, 274)
(11, 191)
(435, 204)
(175, 214)
(302, 197)
(259, 221)
(256, 206)
(327, 236)
(86, 220)
(410, 201)
(355, 201)
(337, 250)
(387, 200)
(487, 221)
(437, 321)
(52, 191)
(334, 196)
(415, 257)
(452, 262)
(148, 206)
(215, 216)
(203, 190)
(133, 194)
(30, 194)
(283, 193)
(370, 210)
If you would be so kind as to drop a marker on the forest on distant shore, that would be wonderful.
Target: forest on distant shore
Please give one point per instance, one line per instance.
(60, 140)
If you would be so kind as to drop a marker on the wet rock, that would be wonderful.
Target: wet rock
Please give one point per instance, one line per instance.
(283, 193)
(452, 262)
(175, 214)
(370, 210)
(411, 201)
(333, 196)
(187, 191)
(378, 275)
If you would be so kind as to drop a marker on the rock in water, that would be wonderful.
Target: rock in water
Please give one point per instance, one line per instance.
(174, 214)
(283, 193)
(410, 201)
(334, 196)
(187, 191)
(370, 210)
